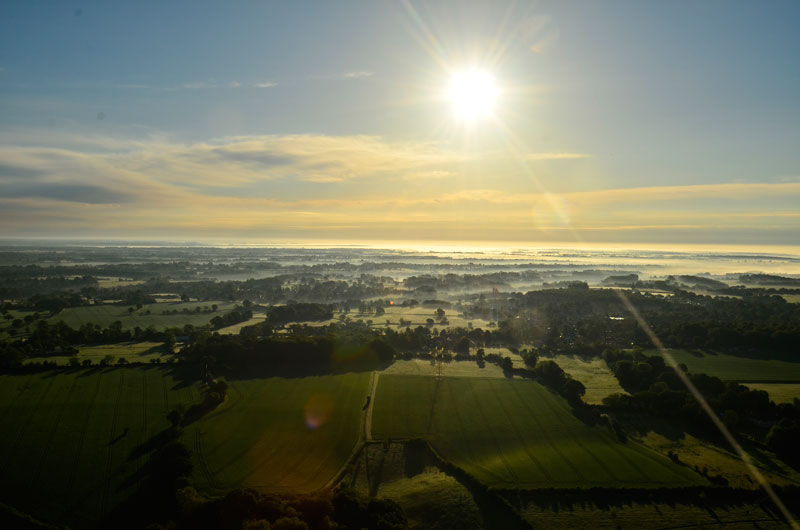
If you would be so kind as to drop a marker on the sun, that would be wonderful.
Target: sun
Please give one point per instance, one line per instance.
(472, 94)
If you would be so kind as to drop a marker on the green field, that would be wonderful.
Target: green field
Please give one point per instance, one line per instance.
(236, 328)
(594, 374)
(133, 352)
(515, 434)
(779, 392)
(451, 369)
(730, 368)
(280, 434)
(104, 315)
(68, 436)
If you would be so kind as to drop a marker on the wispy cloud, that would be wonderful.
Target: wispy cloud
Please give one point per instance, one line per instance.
(265, 84)
(155, 186)
(356, 74)
(198, 85)
(534, 157)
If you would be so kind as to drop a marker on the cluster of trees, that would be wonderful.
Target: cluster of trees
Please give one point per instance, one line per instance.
(289, 355)
(229, 319)
(591, 320)
(248, 509)
(657, 389)
(298, 312)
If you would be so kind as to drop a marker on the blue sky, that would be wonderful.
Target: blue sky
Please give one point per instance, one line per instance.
(651, 122)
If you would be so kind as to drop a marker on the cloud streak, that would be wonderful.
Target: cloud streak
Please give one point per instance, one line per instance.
(246, 186)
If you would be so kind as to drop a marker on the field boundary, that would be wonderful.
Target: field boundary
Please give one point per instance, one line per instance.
(361, 443)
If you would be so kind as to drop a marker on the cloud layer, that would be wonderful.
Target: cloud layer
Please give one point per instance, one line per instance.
(355, 187)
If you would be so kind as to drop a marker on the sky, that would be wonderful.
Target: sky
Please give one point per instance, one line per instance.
(614, 122)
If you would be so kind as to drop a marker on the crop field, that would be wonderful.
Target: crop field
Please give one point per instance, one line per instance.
(515, 434)
(730, 368)
(69, 436)
(104, 315)
(594, 374)
(779, 392)
(279, 434)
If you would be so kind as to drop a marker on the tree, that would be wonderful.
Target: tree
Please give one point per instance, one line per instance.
(175, 417)
(573, 390)
(108, 359)
(440, 313)
(462, 346)
(289, 523)
(169, 341)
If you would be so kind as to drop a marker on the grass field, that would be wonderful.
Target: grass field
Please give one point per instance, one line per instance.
(418, 317)
(280, 434)
(594, 374)
(792, 298)
(58, 459)
(104, 315)
(516, 434)
(5, 324)
(235, 328)
(433, 500)
(730, 368)
(451, 369)
(779, 392)
(721, 461)
(635, 516)
(134, 352)
(68, 436)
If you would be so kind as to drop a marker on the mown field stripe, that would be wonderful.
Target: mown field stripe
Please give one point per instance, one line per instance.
(107, 474)
(28, 420)
(18, 391)
(464, 438)
(493, 432)
(557, 417)
(79, 448)
(523, 442)
(51, 436)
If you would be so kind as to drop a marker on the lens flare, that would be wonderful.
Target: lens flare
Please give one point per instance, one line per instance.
(318, 409)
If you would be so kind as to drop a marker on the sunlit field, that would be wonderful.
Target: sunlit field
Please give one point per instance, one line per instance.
(284, 435)
(70, 438)
(515, 434)
(132, 352)
(731, 368)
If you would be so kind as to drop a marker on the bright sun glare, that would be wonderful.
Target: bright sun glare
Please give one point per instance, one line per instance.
(472, 94)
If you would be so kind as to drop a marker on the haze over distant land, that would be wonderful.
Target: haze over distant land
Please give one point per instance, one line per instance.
(642, 123)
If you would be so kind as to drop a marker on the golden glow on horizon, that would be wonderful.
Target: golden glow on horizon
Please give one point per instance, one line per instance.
(472, 94)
